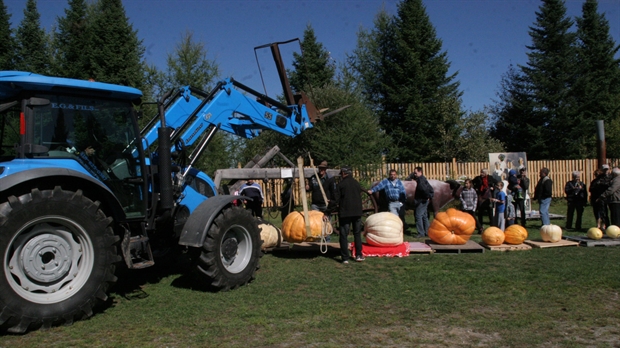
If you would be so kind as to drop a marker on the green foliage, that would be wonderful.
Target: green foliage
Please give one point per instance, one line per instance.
(32, 53)
(597, 91)
(404, 74)
(313, 67)
(114, 52)
(71, 41)
(7, 42)
(549, 107)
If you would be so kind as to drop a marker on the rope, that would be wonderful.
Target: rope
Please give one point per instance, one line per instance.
(324, 234)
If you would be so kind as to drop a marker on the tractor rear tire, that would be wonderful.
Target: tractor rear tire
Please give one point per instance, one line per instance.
(58, 258)
(231, 251)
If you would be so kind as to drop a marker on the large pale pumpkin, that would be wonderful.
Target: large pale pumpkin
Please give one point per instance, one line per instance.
(551, 233)
(613, 231)
(452, 227)
(294, 226)
(383, 229)
(515, 234)
(270, 235)
(493, 236)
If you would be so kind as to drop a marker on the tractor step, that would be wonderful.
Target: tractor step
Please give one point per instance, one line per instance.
(137, 251)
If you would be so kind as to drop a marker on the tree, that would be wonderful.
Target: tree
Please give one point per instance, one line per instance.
(405, 76)
(71, 41)
(597, 90)
(32, 50)
(188, 65)
(313, 67)
(7, 42)
(114, 53)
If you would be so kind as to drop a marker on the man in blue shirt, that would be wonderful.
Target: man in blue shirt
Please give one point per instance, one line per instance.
(395, 193)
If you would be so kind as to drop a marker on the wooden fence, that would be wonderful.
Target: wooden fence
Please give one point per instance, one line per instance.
(560, 172)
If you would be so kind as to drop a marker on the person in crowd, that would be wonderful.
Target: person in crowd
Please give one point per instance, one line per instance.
(543, 193)
(395, 193)
(423, 194)
(524, 182)
(253, 190)
(500, 206)
(469, 202)
(349, 203)
(484, 184)
(612, 196)
(287, 198)
(329, 186)
(576, 198)
(510, 212)
(598, 185)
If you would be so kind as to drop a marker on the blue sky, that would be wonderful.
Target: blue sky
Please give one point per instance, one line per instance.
(481, 37)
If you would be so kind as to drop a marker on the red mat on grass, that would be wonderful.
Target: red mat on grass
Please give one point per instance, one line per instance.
(401, 250)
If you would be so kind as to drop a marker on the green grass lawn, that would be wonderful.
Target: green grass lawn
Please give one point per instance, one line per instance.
(553, 297)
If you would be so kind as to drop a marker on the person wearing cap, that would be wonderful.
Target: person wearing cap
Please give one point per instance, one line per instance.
(543, 193)
(395, 194)
(612, 196)
(598, 185)
(576, 199)
(329, 186)
(349, 214)
(253, 190)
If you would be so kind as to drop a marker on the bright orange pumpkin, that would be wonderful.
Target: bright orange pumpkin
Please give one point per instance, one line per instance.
(294, 226)
(452, 227)
(515, 234)
(493, 236)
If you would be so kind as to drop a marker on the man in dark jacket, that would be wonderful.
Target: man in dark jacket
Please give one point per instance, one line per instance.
(423, 195)
(348, 196)
(329, 185)
(484, 184)
(576, 199)
(543, 193)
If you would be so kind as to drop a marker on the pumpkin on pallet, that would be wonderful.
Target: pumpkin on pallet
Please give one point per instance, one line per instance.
(613, 231)
(269, 234)
(383, 229)
(452, 227)
(294, 226)
(515, 234)
(551, 233)
(493, 236)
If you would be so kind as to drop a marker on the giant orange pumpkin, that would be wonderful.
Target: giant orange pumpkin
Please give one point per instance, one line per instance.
(515, 234)
(294, 226)
(452, 227)
(493, 236)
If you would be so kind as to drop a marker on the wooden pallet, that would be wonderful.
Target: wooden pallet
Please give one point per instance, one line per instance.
(507, 247)
(585, 241)
(539, 243)
(419, 248)
(469, 247)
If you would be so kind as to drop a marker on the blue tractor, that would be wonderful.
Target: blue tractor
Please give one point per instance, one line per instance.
(83, 189)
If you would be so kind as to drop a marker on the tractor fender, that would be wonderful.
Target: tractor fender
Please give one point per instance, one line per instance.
(196, 227)
(66, 178)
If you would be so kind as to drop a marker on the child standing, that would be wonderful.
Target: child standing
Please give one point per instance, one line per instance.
(500, 206)
(469, 202)
(511, 213)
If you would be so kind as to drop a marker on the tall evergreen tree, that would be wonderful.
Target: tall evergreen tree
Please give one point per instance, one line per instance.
(32, 52)
(412, 86)
(550, 75)
(313, 67)
(115, 54)
(597, 90)
(71, 42)
(7, 42)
